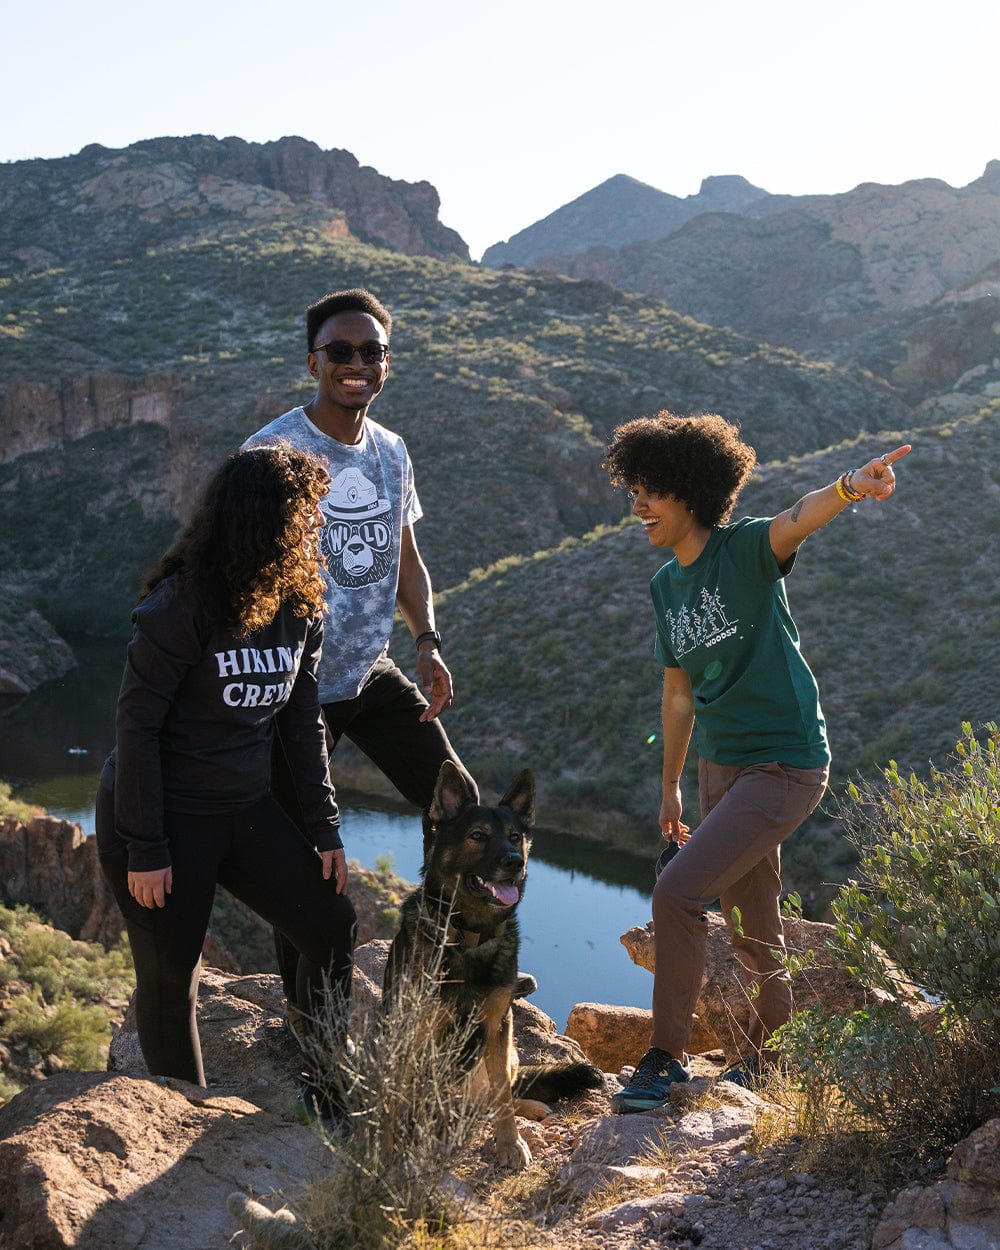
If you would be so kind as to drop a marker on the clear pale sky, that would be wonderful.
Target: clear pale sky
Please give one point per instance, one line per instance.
(513, 109)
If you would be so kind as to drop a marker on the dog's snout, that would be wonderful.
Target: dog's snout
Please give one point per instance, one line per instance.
(512, 861)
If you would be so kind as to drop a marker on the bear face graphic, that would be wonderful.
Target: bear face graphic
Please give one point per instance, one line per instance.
(357, 539)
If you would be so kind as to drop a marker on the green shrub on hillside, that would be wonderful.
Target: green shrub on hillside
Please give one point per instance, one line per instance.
(13, 808)
(928, 897)
(64, 997)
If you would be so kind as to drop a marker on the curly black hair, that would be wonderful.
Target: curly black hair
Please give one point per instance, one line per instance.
(252, 541)
(700, 460)
(357, 299)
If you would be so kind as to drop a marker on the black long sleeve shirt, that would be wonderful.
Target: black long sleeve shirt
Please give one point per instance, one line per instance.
(195, 721)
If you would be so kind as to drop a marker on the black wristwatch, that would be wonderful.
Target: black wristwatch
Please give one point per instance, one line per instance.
(429, 635)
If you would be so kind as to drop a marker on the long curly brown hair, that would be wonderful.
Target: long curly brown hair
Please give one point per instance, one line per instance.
(252, 543)
(700, 460)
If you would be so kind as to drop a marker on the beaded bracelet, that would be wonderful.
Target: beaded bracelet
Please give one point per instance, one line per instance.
(844, 489)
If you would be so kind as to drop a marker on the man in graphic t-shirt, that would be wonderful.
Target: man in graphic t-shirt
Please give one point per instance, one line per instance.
(372, 562)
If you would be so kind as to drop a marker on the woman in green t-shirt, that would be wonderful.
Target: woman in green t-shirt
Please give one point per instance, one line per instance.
(732, 673)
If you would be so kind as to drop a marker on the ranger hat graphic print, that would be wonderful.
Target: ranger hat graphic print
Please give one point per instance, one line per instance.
(358, 534)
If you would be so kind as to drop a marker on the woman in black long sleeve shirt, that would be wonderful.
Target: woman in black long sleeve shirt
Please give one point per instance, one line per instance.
(227, 638)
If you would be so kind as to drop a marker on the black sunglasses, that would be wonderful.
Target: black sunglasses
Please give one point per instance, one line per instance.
(340, 352)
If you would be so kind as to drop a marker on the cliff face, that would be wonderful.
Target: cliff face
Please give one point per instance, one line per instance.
(132, 196)
(39, 416)
(50, 865)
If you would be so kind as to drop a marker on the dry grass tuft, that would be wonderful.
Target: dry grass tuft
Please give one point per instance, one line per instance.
(410, 1115)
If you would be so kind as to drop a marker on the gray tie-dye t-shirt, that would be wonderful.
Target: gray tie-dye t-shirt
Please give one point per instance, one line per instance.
(371, 498)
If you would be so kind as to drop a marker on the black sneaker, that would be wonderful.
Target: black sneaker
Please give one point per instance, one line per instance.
(314, 1105)
(650, 1083)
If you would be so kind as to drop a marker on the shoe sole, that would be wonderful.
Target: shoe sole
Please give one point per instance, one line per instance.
(624, 1106)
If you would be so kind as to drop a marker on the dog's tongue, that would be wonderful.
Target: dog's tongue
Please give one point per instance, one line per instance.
(506, 894)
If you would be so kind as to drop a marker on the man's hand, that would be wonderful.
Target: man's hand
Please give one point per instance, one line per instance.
(436, 681)
(150, 889)
(335, 865)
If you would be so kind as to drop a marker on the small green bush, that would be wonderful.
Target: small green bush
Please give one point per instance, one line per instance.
(64, 997)
(14, 808)
(75, 1033)
(929, 887)
(923, 915)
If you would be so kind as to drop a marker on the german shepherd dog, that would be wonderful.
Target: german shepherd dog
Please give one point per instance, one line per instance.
(461, 921)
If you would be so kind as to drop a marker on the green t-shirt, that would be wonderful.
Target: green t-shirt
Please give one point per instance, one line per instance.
(725, 621)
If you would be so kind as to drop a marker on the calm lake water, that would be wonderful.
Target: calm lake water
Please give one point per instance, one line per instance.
(579, 900)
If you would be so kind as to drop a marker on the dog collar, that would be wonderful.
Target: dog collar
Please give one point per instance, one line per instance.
(472, 937)
(466, 937)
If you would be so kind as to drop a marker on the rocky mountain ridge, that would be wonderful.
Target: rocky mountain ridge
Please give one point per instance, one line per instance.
(597, 219)
(136, 197)
(902, 280)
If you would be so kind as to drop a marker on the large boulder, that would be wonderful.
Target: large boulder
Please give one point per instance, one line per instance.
(244, 1041)
(613, 1036)
(723, 1006)
(105, 1161)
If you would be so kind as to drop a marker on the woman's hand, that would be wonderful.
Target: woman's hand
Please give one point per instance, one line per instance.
(877, 480)
(335, 865)
(150, 889)
(789, 529)
(672, 828)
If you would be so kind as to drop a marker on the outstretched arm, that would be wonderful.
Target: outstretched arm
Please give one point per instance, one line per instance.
(876, 480)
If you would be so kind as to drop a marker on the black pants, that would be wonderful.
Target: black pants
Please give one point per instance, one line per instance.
(261, 858)
(384, 722)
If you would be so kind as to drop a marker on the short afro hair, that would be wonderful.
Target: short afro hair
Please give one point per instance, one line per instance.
(357, 299)
(700, 460)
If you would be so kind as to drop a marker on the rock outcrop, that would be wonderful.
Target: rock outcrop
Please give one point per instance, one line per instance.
(615, 1036)
(52, 867)
(170, 187)
(96, 1161)
(959, 1212)
(31, 652)
(99, 1161)
(723, 1006)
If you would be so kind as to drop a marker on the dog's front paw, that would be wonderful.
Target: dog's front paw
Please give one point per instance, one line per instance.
(515, 1154)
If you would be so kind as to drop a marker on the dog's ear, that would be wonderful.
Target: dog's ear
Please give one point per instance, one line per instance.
(452, 792)
(520, 797)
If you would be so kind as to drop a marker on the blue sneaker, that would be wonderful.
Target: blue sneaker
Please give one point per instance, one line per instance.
(750, 1072)
(650, 1084)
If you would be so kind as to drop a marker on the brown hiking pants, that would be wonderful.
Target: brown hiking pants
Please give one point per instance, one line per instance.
(734, 856)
